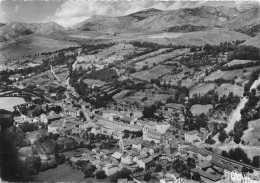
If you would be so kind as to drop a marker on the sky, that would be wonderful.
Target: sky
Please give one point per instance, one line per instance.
(70, 12)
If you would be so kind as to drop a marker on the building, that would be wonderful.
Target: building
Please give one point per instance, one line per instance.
(73, 112)
(53, 117)
(129, 120)
(191, 136)
(162, 127)
(43, 118)
(143, 163)
(110, 169)
(15, 77)
(155, 136)
(206, 177)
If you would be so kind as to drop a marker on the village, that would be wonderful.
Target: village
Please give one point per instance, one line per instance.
(113, 141)
(104, 112)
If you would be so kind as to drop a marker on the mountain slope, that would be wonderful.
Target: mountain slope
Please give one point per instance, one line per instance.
(254, 41)
(200, 18)
(14, 30)
(105, 23)
(140, 15)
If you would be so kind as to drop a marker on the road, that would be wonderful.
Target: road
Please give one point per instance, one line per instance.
(55, 75)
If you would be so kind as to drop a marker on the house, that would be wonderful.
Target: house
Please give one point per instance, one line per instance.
(206, 177)
(155, 136)
(143, 163)
(128, 120)
(19, 120)
(140, 157)
(162, 127)
(85, 105)
(110, 169)
(167, 180)
(191, 136)
(126, 159)
(15, 77)
(201, 155)
(204, 165)
(137, 145)
(117, 155)
(74, 112)
(53, 117)
(43, 118)
(54, 128)
(122, 181)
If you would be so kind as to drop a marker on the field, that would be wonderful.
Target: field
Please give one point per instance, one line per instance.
(228, 75)
(64, 173)
(40, 79)
(160, 58)
(151, 96)
(236, 62)
(199, 109)
(226, 88)
(8, 103)
(202, 88)
(155, 72)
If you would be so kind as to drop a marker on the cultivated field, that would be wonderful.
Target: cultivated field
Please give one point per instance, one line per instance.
(226, 88)
(199, 109)
(65, 173)
(160, 58)
(155, 72)
(228, 75)
(236, 62)
(8, 103)
(202, 88)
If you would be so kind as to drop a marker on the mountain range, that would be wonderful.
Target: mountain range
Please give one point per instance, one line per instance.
(245, 20)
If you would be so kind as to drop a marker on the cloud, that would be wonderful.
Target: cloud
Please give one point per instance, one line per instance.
(16, 8)
(73, 12)
(2, 14)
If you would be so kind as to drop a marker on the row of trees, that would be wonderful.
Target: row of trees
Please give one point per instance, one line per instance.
(240, 155)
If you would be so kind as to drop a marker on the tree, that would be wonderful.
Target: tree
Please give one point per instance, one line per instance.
(89, 170)
(196, 176)
(158, 168)
(222, 136)
(101, 174)
(147, 177)
(148, 112)
(256, 161)
(225, 154)
(33, 162)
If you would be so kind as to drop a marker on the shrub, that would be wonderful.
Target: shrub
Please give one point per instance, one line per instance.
(101, 174)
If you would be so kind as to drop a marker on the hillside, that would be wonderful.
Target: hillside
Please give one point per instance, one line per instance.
(140, 15)
(255, 41)
(213, 37)
(14, 30)
(180, 20)
(105, 23)
(30, 44)
(203, 17)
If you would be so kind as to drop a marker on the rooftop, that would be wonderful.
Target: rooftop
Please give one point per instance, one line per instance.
(193, 132)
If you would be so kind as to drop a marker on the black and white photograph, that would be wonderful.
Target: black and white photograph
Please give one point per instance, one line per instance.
(129, 91)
